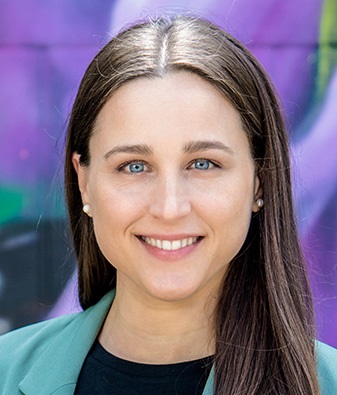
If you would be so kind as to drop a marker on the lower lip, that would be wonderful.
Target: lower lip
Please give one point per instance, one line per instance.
(170, 255)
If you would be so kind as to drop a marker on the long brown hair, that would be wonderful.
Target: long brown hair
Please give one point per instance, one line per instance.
(264, 321)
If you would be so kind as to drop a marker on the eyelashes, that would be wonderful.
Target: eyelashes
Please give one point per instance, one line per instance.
(203, 164)
(133, 167)
(140, 166)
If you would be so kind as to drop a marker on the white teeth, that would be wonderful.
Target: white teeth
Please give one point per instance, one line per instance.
(166, 245)
(170, 245)
(175, 245)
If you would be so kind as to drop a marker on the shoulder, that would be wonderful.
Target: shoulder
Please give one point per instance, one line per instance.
(20, 348)
(38, 336)
(42, 358)
(34, 336)
(327, 368)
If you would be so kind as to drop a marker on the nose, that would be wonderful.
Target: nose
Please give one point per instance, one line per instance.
(170, 200)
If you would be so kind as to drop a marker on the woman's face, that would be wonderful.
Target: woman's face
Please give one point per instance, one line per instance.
(171, 186)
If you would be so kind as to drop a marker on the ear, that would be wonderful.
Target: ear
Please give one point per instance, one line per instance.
(82, 177)
(258, 193)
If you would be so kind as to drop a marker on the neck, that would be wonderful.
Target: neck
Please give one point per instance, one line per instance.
(158, 332)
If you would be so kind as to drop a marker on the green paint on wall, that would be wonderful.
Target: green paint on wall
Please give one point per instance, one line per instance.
(327, 53)
(11, 203)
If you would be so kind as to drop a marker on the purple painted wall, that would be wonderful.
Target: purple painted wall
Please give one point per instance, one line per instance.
(44, 50)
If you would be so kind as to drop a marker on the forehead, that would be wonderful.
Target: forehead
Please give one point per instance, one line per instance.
(181, 86)
(178, 105)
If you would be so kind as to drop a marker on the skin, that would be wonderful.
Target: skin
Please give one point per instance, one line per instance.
(170, 161)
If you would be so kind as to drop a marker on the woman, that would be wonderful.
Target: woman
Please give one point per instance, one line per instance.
(178, 188)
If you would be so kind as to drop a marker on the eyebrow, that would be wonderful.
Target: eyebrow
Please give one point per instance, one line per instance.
(141, 149)
(203, 145)
(190, 148)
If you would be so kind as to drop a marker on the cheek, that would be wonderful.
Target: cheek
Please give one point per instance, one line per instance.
(115, 207)
(113, 214)
(232, 217)
(228, 208)
(232, 195)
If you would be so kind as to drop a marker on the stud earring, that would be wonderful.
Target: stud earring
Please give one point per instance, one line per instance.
(86, 209)
(259, 202)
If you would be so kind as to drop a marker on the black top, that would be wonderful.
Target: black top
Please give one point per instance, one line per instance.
(103, 373)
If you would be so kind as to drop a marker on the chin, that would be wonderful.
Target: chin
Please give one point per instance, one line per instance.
(173, 293)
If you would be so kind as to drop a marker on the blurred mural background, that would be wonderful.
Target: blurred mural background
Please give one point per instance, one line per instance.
(45, 47)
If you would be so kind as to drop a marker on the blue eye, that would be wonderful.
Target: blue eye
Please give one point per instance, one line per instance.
(133, 167)
(202, 164)
(136, 167)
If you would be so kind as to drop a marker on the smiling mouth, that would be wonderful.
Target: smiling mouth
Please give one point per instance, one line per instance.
(170, 245)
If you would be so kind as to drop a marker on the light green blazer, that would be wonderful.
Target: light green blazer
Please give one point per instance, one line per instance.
(46, 358)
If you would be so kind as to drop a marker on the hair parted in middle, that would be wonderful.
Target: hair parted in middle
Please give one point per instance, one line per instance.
(264, 322)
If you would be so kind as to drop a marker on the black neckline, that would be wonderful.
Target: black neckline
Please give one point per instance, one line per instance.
(101, 355)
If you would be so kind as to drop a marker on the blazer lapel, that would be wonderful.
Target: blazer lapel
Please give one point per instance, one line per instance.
(208, 390)
(57, 369)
